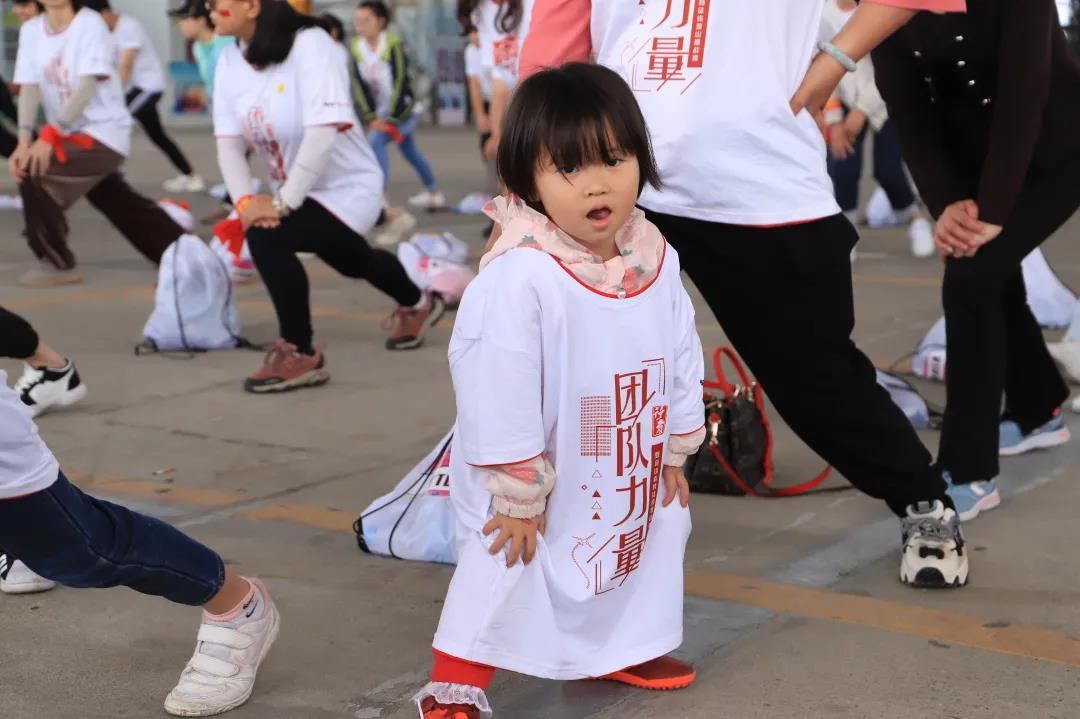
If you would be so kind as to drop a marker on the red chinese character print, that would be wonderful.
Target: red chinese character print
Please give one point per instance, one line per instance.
(628, 554)
(58, 75)
(631, 395)
(630, 455)
(260, 134)
(671, 52)
(638, 492)
(659, 420)
(506, 52)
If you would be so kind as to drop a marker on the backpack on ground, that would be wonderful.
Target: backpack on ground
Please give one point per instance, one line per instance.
(417, 520)
(194, 308)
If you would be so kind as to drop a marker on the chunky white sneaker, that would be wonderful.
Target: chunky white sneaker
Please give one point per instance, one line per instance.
(42, 388)
(934, 554)
(428, 200)
(394, 232)
(17, 578)
(185, 183)
(921, 233)
(221, 674)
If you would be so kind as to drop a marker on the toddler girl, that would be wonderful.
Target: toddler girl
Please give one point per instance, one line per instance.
(578, 370)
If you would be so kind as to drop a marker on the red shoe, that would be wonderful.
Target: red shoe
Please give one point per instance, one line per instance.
(433, 710)
(661, 674)
(408, 325)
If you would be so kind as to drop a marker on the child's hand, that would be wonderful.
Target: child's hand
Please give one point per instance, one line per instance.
(675, 481)
(521, 533)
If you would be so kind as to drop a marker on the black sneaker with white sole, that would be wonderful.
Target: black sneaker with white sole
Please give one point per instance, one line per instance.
(934, 554)
(42, 388)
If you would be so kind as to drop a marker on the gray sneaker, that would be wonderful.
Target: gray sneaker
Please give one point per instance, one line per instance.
(45, 275)
(934, 554)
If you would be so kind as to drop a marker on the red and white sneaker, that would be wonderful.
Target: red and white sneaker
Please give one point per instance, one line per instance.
(285, 368)
(409, 324)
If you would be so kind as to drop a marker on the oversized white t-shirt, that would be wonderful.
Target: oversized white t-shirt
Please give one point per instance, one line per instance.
(26, 464)
(544, 364)
(147, 73)
(475, 67)
(714, 79)
(271, 108)
(55, 61)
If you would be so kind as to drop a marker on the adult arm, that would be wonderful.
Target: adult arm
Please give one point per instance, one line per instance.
(1019, 102)
(127, 65)
(232, 159)
(29, 104)
(399, 69)
(560, 32)
(311, 159)
(74, 108)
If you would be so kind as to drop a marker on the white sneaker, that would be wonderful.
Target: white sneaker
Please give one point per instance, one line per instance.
(185, 183)
(41, 389)
(922, 238)
(934, 554)
(428, 200)
(394, 232)
(17, 578)
(221, 674)
(45, 275)
(1067, 355)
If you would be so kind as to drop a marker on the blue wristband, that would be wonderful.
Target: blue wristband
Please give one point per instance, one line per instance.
(839, 55)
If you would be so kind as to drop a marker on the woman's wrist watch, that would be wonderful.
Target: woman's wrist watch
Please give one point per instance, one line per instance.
(281, 207)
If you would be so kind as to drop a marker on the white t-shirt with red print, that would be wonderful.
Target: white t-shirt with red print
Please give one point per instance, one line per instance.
(55, 61)
(714, 79)
(500, 50)
(542, 363)
(271, 108)
(146, 74)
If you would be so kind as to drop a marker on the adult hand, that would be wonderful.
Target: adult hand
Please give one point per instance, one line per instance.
(840, 143)
(520, 533)
(817, 87)
(958, 229)
(854, 124)
(380, 125)
(19, 162)
(40, 157)
(259, 212)
(675, 484)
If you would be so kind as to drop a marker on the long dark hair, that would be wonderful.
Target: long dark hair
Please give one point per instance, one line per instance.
(507, 20)
(275, 31)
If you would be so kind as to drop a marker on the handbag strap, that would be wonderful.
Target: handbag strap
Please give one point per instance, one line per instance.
(721, 383)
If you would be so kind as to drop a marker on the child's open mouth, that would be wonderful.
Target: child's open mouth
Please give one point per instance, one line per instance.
(599, 217)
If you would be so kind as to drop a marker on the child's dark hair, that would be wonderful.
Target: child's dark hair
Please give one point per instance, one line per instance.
(577, 114)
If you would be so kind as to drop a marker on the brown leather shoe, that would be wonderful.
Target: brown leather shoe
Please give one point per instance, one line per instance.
(408, 325)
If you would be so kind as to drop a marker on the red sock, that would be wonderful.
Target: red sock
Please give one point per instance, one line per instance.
(452, 670)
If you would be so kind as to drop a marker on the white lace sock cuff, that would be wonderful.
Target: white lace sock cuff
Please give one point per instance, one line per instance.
(446, 693)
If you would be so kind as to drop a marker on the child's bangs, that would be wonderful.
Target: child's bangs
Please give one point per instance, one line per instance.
(585, 135)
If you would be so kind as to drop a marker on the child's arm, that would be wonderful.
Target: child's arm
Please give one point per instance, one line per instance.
(520, 490)
(686, 423)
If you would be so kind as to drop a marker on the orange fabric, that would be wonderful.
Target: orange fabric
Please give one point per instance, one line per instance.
(461, 671)
(54, 137)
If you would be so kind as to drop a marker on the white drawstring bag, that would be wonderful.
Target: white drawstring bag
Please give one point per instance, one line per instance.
(416, 521)
(908, 399)
(437, 262)
(194, 308)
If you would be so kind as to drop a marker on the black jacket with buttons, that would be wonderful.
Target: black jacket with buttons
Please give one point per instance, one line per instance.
(982, 99)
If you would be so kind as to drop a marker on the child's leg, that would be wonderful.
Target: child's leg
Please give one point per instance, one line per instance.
(455, 684)
(66, 535)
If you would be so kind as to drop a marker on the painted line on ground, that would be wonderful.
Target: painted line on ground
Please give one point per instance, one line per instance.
(968, 630)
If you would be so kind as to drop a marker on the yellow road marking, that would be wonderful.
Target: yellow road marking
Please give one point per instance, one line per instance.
(887, 615)
(913, 620)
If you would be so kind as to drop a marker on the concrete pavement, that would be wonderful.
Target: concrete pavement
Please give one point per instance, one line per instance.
(795, 608)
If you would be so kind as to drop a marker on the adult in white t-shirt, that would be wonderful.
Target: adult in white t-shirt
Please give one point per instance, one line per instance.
(143, 82)
(66, 64)
(63, 535)
(749, 206)
(287, 95)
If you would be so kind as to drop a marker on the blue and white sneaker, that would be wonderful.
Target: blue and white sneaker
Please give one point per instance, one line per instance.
(1052, 434)
(972, 498)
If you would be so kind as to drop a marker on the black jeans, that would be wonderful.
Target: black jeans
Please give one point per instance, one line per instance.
(784, 298)
(17, 338)
(312, 228)
(81, 541)
(143, 107)
(995, 343)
